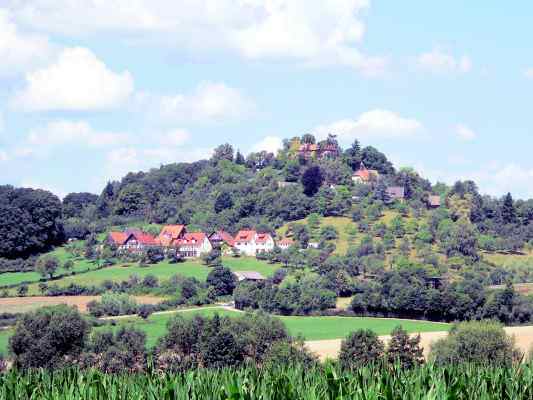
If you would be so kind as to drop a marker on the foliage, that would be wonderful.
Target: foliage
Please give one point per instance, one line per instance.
(47, 337)
(47, 265)
(113, 304)
(479, 342)
(360, 349)
(222, 280)
(404, 349)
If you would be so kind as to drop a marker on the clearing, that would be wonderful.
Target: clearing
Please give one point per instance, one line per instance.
(25, 304)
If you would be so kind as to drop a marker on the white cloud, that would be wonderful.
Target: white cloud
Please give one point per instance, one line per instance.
(465, 133)
(439, 61)
(77, 80)
(74, 132)
(270, 144)
(528, 73)
(310, 31)
(3, 156)
(372, 124)
(1, 122)
(20, 51)
(209, 101)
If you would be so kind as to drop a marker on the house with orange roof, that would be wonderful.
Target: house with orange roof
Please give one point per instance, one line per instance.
(365, 176)
(250, 242)
(222, 240)
(171, 234)
(194, 244)
(285, 243)
(132, 240)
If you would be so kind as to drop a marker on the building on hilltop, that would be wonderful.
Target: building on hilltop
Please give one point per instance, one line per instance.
(396, 193)
(251, 243)
(365, 176)
(434, 201)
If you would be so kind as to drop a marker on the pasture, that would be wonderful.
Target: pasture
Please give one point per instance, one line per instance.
(163, 270)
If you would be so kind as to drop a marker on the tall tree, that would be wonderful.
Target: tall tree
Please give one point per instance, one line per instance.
(312, 180)
(223, 152)
(508, 210)
(352, 155)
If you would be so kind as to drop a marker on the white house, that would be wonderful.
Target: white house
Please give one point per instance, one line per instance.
(251, 243)
(193, 245)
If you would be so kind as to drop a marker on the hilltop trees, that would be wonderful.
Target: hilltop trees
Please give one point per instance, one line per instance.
(312, 180)
(30, 221)
(47, 266)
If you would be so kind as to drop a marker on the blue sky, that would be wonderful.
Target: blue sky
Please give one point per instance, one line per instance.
(92, 90)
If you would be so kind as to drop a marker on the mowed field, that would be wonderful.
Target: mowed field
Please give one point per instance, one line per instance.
(310, 328)
(162, 271)
(25, 304)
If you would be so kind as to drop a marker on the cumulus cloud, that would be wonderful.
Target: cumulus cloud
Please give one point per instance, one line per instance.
(20, 51)
(176, 137)
(439, 61)
(372, 124)
(209, 101)
(73, 132)
(528, 73)
(311, 31)
(270, 144)
(465, 133)
(77, 80)
(1, 121)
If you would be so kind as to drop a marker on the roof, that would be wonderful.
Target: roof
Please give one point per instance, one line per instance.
(142, 237)
(286, 242)
(118, 238)
(249, 275)
(434, 200)
(226, 237)
(365, 174)
(169, 233)
(396, 192)
(192, 239)
(263, 237)
(309, 147)
(245, 236)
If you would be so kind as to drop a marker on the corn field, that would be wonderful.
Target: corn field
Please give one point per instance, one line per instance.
(291, 382)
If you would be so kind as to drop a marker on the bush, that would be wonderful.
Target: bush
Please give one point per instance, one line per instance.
(222, 280)
(113, 304)
(290, 353)
(404, 349)
(479, 342)
(361, 348)
(145, 310)
(48, 338)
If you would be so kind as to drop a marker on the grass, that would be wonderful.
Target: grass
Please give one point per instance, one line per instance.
(15, 278)
(162, 271)
(311, 328)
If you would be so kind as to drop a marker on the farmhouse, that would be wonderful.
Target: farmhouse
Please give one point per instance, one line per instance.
(220, 239)
(193, 245)
(365, 176)
(249, 276)
(133, 240)
(318, 151)
(250, 243)
(285, 243)
(171, 234)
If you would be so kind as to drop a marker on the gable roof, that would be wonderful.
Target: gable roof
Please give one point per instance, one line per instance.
(222, 236)
(170, 233)
(141, 237)
(245, 236)
(286, 242)
(263, 237)
(194, 239)
(118, 238)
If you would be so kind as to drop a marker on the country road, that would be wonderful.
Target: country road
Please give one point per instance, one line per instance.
(330, 348)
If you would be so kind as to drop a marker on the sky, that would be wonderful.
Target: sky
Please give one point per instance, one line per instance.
(93, 89)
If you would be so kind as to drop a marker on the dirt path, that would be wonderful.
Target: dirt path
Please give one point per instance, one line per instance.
(330, 348)
(182, 310)
(25, 304)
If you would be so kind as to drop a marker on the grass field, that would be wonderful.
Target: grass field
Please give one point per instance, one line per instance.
(311, 328)
(14, 278)
(162, 271)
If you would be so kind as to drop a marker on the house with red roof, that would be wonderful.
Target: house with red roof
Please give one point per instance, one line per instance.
(285, 243)
(250, 242)
(171, 234)
(194, 244)
(132, 240)
(365, 176)
(222, 240)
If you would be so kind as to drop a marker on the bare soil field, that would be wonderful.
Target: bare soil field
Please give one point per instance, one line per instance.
(330, 348)
(25, 304)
